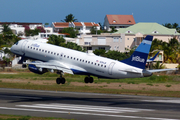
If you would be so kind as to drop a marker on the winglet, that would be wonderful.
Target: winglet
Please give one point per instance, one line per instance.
(139, 57)
(152, 59)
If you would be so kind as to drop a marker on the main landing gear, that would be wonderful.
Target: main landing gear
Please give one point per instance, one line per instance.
(60, 79)
(88, 79)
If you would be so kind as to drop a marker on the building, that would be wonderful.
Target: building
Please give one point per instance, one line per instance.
(82, 27)
(18, 28)
(135, 34)
(118, 21)
(104, 41)
(127, 38)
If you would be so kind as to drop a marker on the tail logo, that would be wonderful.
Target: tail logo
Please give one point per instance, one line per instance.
(137, 59)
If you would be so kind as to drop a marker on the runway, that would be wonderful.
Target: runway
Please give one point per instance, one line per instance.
(87, 106)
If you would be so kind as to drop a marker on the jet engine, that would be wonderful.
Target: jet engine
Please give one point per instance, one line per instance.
(36, 70)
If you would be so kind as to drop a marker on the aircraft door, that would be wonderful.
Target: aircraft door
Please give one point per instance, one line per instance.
(110, 68)
(24, 45)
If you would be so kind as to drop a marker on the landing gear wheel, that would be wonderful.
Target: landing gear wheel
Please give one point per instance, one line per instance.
(86, 79)
(58, 80)
(63, 80)
(91, 80)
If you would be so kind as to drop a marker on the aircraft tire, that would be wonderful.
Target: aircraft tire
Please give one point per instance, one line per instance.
(86, 79)
(63, 80)
(58, 80)
(91, 80)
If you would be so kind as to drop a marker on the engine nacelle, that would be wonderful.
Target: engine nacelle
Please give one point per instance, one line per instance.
(36, 70)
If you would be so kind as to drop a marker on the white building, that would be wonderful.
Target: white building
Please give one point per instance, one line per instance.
(19, 28)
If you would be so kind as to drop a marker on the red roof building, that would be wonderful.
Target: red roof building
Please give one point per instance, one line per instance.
(118, 21)
(82, 27)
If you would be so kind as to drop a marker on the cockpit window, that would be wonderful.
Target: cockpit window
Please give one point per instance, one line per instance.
(16, 43)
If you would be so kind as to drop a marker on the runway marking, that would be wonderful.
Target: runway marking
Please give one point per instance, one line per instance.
(85, 108)
(163, 101)
(83, 113)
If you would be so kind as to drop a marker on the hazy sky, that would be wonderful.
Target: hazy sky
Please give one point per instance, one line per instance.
(48, 11)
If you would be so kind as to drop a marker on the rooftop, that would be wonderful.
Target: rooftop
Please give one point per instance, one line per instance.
(61, 24)
(148, 28)
(121, 19)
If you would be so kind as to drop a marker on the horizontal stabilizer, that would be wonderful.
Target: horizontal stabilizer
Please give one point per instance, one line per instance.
(161, 70)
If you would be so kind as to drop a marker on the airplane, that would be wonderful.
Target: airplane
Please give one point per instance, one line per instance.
(153, 58)
(64, 60)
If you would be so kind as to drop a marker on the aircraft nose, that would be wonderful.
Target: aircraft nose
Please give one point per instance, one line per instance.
(12, 48)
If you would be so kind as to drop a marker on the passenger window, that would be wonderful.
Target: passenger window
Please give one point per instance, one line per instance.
(67, 56)
(45, 51)
(94, 63)
(74, 58)
(101, 65)
(83, 61)
(28, 46)
(42, 50)
(51, 52)
(91, 62)
(39, 49)
(98, 64)
(77, 59)
(61, 55)
(80, 60)
(31, 47)
(54, 53)
(57, 54)
(48, 51)
(105, 66)
(71, 57)
(36, 48)
(86, 61)
(64, 55)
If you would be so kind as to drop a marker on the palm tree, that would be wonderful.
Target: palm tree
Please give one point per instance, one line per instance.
(70, 18)
(6, 29)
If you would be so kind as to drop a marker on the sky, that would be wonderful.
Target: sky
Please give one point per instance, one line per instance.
(48, 11)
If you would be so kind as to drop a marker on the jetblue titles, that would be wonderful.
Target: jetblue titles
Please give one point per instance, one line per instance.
(35, 45)
(137, 59)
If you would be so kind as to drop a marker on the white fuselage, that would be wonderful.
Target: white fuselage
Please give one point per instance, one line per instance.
(82, 63)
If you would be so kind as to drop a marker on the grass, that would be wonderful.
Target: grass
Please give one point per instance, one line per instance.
(18, 117)
(168, 85)
(168, 80)
(149, 84)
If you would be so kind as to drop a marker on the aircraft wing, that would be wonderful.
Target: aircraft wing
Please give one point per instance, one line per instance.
(160, 70)
(55, 65)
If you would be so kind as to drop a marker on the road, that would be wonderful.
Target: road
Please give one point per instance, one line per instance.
(87, 106)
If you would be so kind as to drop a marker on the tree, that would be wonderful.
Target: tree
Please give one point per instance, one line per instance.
(94, 30)
(6, 29)
(70, 18)
(174, 25)
(71, 31)
(171, 49)
(56, 40)
(100, 52)
(60, 41)
(73, 46)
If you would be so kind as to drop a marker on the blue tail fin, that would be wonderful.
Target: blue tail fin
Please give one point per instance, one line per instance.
(139, 57)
